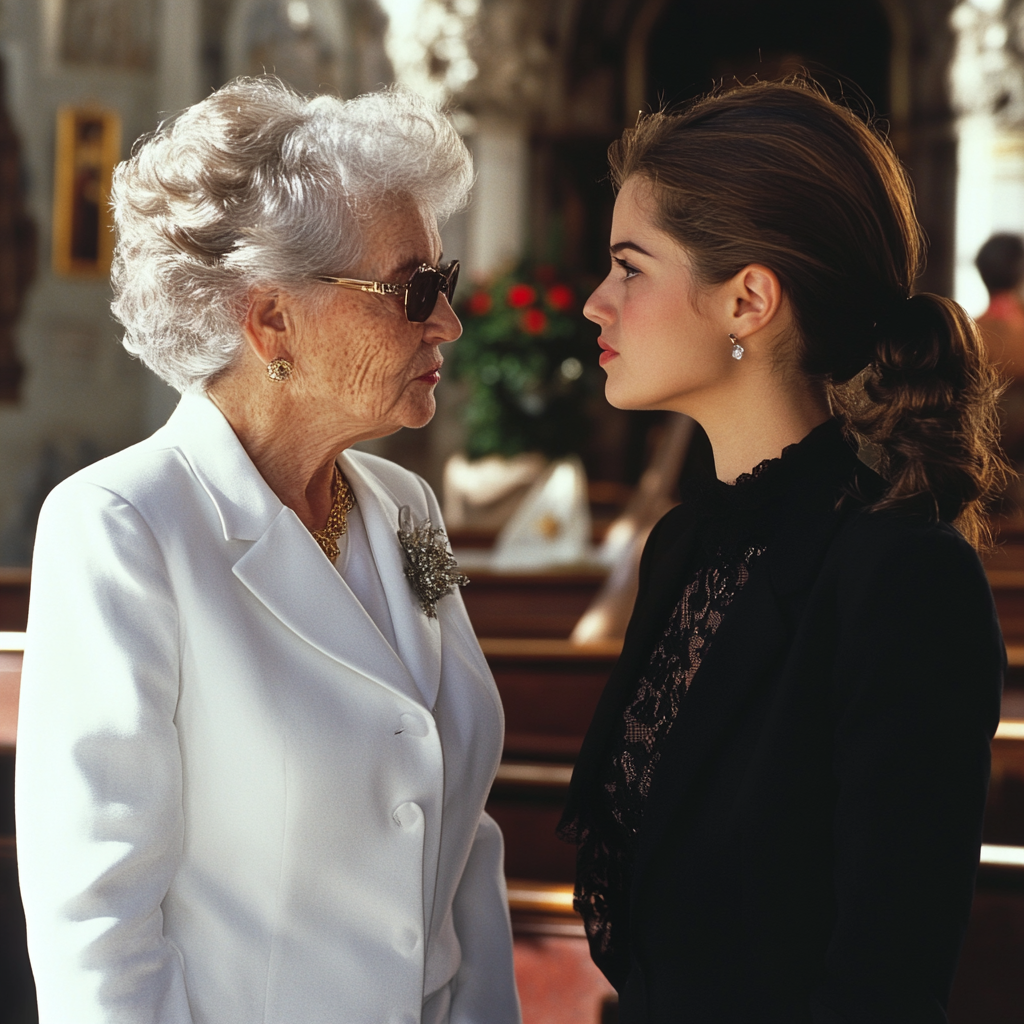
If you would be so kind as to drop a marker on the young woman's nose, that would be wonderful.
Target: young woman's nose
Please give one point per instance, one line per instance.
(597, 307)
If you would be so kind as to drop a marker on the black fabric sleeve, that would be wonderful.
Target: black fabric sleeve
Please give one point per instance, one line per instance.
(647, 555)
(916, 696)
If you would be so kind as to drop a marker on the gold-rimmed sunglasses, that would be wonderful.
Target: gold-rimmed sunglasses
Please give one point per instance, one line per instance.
(420, 291)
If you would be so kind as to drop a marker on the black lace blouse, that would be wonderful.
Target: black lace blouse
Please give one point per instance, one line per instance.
(734, 526)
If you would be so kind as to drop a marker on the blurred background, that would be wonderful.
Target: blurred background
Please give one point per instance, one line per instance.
(538, 89)
(548, 491)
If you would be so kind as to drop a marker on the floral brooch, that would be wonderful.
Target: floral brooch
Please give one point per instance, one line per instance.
(430, 567)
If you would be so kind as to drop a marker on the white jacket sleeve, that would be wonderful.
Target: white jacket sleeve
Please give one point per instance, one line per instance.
(99, 812)
(485, 986)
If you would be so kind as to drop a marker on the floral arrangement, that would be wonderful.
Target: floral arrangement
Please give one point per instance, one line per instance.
(529, 359)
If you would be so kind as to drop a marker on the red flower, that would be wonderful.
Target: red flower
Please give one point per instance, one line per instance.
(520, 295)
(479, 303)
(534, 321)
(560, 297)
(546, 273)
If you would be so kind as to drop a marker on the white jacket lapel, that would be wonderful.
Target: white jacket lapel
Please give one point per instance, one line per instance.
(288, 572)
(285, 568)
(418, 637)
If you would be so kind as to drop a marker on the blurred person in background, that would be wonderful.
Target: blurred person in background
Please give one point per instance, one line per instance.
(1000, 261)
(257, 731)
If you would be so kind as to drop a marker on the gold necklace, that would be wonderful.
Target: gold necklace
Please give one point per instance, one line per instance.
(342, 502)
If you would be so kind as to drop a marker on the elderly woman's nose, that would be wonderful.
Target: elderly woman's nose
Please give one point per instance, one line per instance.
(442, 325)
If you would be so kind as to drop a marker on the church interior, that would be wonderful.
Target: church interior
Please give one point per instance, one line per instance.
(548, 492)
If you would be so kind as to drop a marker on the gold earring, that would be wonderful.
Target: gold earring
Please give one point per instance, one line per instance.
(737, 348)
(279, 370)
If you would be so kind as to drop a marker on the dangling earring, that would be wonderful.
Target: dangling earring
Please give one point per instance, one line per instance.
(279, 370)
(737, 348)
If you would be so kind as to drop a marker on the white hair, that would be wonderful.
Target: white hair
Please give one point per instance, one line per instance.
(257, 185)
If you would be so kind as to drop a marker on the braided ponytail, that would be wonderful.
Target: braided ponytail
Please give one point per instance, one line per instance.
(777, 173)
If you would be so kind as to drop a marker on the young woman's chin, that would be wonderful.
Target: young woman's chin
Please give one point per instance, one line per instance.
(638, 395)
(619, 397)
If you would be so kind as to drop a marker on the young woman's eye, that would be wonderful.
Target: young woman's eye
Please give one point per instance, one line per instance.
(630, 271)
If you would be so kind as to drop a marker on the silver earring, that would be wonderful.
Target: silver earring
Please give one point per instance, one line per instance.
(737, 348)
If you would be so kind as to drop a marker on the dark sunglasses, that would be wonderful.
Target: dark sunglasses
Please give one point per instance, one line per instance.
(420, 291)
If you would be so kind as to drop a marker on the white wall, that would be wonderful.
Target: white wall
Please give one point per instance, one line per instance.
(497, 216)
(990, 198)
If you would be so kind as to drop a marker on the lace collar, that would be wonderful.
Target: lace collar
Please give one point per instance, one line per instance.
(752, 505)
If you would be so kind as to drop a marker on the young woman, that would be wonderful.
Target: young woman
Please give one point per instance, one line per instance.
(778, 805)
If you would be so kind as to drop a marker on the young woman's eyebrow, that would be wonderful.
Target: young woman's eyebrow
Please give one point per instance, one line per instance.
(619, 246)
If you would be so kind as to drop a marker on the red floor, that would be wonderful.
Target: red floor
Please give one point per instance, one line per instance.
(558, 982)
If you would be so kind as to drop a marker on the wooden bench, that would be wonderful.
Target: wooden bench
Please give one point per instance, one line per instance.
(14, 585)
(533, 605)
(549, 689)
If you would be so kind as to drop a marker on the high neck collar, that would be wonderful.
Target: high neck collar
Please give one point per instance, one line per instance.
(754, 503)
(794, 464)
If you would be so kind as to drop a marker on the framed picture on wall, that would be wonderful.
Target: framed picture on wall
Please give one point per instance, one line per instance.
(88, 147)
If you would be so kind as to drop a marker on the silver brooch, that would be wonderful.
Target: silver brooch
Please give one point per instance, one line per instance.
(430, 566)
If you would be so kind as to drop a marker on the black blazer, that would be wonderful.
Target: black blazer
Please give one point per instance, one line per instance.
(811, 836)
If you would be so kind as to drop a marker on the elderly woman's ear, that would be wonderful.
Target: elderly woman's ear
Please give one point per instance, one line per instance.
(269, 326)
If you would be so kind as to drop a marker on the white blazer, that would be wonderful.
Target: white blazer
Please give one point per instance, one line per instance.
(234, 804)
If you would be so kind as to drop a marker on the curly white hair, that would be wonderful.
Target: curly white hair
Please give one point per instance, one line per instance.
(257, 185)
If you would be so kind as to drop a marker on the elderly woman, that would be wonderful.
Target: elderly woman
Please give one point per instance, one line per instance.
(257, 731)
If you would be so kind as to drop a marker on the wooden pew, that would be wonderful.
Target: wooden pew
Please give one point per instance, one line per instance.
(531, 605)
(549, 689)
(14, 584)
(1008, 590)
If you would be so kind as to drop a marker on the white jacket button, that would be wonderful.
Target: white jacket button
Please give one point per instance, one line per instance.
(414, 725)
(406, 941)
(407, 815)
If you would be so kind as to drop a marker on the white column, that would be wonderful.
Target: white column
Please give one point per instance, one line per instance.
(1008, 180)
(496, 235)
(179, 85)
(974, 207)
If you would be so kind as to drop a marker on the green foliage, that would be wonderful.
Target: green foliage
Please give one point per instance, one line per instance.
(529, 359)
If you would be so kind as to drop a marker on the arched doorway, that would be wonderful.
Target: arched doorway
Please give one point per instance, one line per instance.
(693, 45)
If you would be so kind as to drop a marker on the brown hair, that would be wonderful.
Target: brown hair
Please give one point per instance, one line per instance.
(776, 173)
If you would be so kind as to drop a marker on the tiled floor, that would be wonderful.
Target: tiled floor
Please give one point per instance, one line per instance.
(558, 982)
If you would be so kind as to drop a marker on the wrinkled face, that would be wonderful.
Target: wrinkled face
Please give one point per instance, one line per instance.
(659, 350)
(359, 359)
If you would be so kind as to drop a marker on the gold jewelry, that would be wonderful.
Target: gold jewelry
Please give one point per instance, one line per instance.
(342, 502)
(279, 370)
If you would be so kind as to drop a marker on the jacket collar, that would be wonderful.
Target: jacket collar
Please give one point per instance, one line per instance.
(244, 502)
(287, 572)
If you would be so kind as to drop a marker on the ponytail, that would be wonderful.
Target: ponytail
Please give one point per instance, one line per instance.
(776, 173)
(926, 406)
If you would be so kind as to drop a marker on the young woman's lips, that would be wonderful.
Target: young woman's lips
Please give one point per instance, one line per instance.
(607, 352)
(433, 377)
